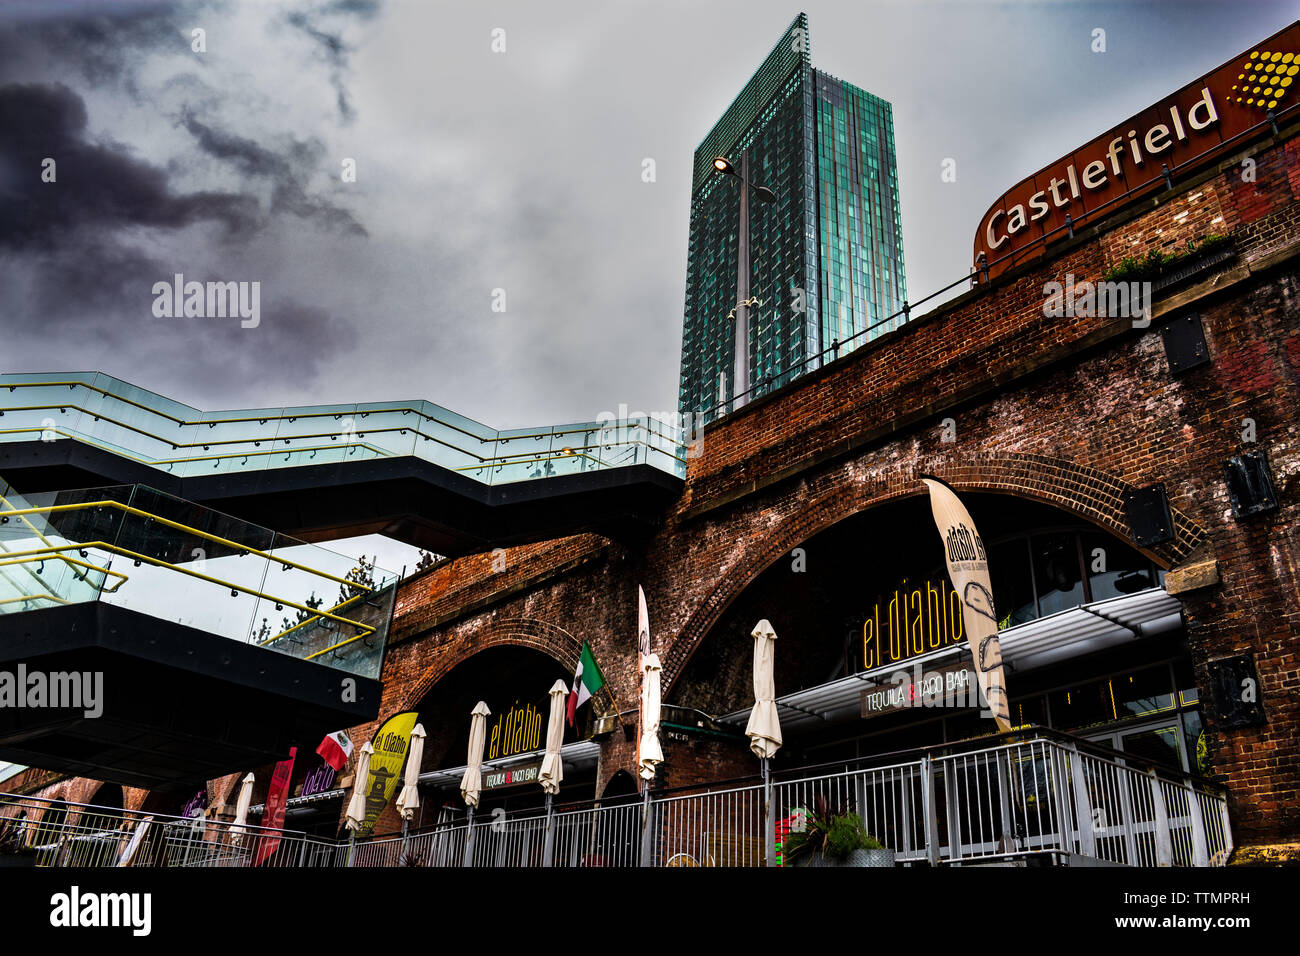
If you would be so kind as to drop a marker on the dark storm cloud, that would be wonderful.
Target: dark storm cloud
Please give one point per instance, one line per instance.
(285, 171)
(330, 46)
(80, 255)
(102, 43)
(96, 187)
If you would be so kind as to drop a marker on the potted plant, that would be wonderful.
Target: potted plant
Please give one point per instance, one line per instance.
(834, 837)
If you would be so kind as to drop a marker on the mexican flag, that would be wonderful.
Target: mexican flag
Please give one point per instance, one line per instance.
(587, 680)
(336, 748)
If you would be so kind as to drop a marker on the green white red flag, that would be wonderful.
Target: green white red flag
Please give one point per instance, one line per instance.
(587, 680)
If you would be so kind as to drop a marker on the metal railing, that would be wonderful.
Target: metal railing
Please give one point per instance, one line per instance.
(145, 427)
(1030, 794)
(184, 563)
(56, 833)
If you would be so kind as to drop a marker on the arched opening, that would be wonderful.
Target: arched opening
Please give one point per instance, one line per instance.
(514, 682)
(1093, 643)
(92, 836)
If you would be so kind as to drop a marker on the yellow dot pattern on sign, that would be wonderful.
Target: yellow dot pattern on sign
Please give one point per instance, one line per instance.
(1265, 79)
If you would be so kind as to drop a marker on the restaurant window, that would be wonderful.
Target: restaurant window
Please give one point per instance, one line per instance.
(1056, 571)
(1185, 682)
(1114, 570)
(1142, 692)
(1084, 706)
(1013, 585)
(1198, 758)
(1159, 744)
(1030, 711)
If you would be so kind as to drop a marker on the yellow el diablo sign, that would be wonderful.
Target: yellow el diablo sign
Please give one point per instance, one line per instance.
(516, 731)
(909, 622)
(390, 743)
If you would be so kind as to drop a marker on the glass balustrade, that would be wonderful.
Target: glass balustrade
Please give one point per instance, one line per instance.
(99, 410)
(138, 548)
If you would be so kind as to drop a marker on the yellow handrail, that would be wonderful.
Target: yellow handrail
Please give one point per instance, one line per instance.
(314, 617)
(46, 541)
(27, 557)
(36, 597)
(234, 545)
(146, 559)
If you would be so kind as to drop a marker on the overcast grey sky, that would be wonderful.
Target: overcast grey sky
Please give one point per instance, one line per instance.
(479, 170)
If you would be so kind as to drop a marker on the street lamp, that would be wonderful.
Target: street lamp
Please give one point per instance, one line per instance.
(740, 362)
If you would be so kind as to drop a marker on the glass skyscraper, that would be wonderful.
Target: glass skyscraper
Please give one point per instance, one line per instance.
(826, 258)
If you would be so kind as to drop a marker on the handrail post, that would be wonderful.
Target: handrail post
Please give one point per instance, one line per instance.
(548, 840)
(1164, 840)
(1130, 822)
(1008, 842)
(467, 860)
(1082, 802)
(1200, 850)
(1227, 828)
(769, 819)
(930, 810)
(645, 828)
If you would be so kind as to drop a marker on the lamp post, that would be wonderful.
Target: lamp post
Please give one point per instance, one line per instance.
(740, 361)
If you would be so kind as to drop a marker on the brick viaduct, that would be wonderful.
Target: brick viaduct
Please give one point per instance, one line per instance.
(1068, 411)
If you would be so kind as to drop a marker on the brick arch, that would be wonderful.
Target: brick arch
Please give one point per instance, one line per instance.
(550, 639)
(1088, 493)
(57, 791)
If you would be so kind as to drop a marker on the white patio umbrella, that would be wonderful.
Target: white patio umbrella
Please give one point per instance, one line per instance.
(764, 727)
(651, 753)
(408, 801)
(472, 782)
(238, 829)
(356, 815)
(552, 771)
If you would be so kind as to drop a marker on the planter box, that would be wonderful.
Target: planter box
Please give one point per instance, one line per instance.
(856, 858)
(1193, 266)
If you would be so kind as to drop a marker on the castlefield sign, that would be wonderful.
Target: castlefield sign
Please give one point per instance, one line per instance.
(1124, 164)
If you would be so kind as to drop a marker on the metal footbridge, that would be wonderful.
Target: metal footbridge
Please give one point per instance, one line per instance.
(413, 471)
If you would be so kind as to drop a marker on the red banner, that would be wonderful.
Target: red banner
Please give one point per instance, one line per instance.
(277, 798)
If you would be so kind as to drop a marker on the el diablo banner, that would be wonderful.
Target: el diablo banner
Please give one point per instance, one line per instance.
(390, 743)
(968, 568)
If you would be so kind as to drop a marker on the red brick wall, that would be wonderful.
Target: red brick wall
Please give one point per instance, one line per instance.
(1070, 411)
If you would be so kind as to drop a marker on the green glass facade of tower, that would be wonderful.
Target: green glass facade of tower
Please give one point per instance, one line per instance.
(826, 258)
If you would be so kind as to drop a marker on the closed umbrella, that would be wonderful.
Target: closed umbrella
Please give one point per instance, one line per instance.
(408, 801)
(472, 782)
(241, 809)
(356, 815)
(651, 754)
(552, 771)
(764, 727)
